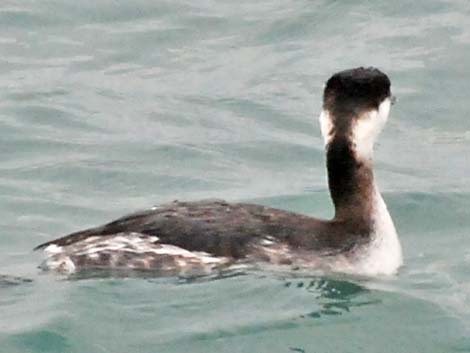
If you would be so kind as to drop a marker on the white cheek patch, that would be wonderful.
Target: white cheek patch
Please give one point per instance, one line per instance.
(326, 126)
(367, 128)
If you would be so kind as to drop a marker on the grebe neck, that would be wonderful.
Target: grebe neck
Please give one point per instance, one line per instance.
(350, 180)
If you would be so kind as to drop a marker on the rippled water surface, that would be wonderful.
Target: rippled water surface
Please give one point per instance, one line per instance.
(111, 106)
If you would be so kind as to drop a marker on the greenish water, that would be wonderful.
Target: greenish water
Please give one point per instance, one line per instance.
(111, 106)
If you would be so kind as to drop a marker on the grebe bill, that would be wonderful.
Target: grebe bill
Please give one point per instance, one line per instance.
(198, 237)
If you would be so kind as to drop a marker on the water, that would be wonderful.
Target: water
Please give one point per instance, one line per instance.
(111, 106)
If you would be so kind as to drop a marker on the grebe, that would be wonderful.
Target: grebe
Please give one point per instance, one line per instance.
(198, 237)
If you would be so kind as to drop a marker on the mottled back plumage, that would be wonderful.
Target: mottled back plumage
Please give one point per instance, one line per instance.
(197, 237)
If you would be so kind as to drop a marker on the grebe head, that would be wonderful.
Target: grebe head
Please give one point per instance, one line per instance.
(356, 104)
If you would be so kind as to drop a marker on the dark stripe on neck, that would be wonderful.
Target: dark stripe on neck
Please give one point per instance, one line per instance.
(351, 183)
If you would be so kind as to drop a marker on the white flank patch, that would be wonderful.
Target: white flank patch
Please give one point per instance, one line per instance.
(53, 249)
(368, 127)
(200, 256)
(60, 258)
(59, 263)
(208, 259)
(57, 260)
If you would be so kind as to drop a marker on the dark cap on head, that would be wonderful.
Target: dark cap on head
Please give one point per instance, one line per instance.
(356, 90)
